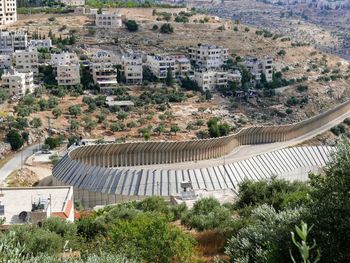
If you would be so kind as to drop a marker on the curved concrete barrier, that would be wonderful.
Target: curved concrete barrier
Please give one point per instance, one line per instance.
(165, 152)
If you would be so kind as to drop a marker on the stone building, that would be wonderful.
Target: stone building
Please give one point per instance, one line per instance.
(26, 61)
(108, 20)
(208, 56)
(132, 68)
(8, 12)
(10, 41)
(17, 84)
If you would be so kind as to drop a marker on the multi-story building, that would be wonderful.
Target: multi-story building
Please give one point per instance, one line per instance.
(103, 56)
(257, 67)
(17, 84)
(160, 65)
(73, 2)
(234, 76)
(23, 205)
(210, 79)
(40, 43)
(6, 61)
(8, 12)
(208, 56)
(182, 66)
(104, 76)
(68, 74)
(108, 20)
(26, 61)
(64, 58)
(11, 41)
(132, 68)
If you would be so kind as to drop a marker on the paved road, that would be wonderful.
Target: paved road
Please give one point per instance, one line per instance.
(15, 162)
(247, 151)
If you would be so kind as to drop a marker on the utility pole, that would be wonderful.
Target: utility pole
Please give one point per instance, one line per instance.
(22, 159)
(49, 125)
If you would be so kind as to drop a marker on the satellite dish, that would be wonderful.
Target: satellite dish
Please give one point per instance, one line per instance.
(23, 216)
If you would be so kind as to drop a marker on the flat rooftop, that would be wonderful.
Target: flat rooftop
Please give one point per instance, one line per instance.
(18, 199)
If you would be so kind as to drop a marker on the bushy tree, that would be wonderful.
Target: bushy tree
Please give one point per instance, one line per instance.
(266, 238)
(329, 207)
(74, 110)
(56, 112)
(217, 129)
(152, 239)
(278, 193)
(52, 142)
(207, 213)
(14, 139)
(166, 29)
(132, 26)
(36, 122)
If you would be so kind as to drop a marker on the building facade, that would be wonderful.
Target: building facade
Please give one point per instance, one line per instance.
(208, 56)
(210, 79)
(160, 65)
(26, 61)
(11, 41)
(73, 2)
(182, 66)
(64, 58)
(108, 20)
(104, 76)
(40, 43)
(68, 74)
(132, 68)
(8, 12)
(17, 84)
(6, 61)
(103, 56)
(258, 67)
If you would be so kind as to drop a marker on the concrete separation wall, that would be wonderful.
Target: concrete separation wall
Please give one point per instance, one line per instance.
(161, 152)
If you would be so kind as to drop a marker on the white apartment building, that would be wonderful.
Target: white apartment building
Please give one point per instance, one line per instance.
(8, 12)
(108, 20)
(132, 68)
(73, 2)
(11, 41)
(182, 66)
(17, 84)
(235, 76)
(208, 56)
(159, 65)
(105, 76)
(6, 61)
(103, 56)
(64, 58)
(26, 61)
(23, 205)
(257, 67)
(40, 43)
(210, 79)
(68, 74)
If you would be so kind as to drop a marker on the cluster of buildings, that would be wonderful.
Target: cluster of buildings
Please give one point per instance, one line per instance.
(18, 63)
(321, 4)
(204, 64)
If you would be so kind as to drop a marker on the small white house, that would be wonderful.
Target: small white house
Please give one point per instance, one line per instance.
(20, 205)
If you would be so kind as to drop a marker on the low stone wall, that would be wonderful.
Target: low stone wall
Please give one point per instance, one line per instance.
(158, 152)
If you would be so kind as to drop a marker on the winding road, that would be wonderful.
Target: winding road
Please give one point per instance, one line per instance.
(15, 162)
